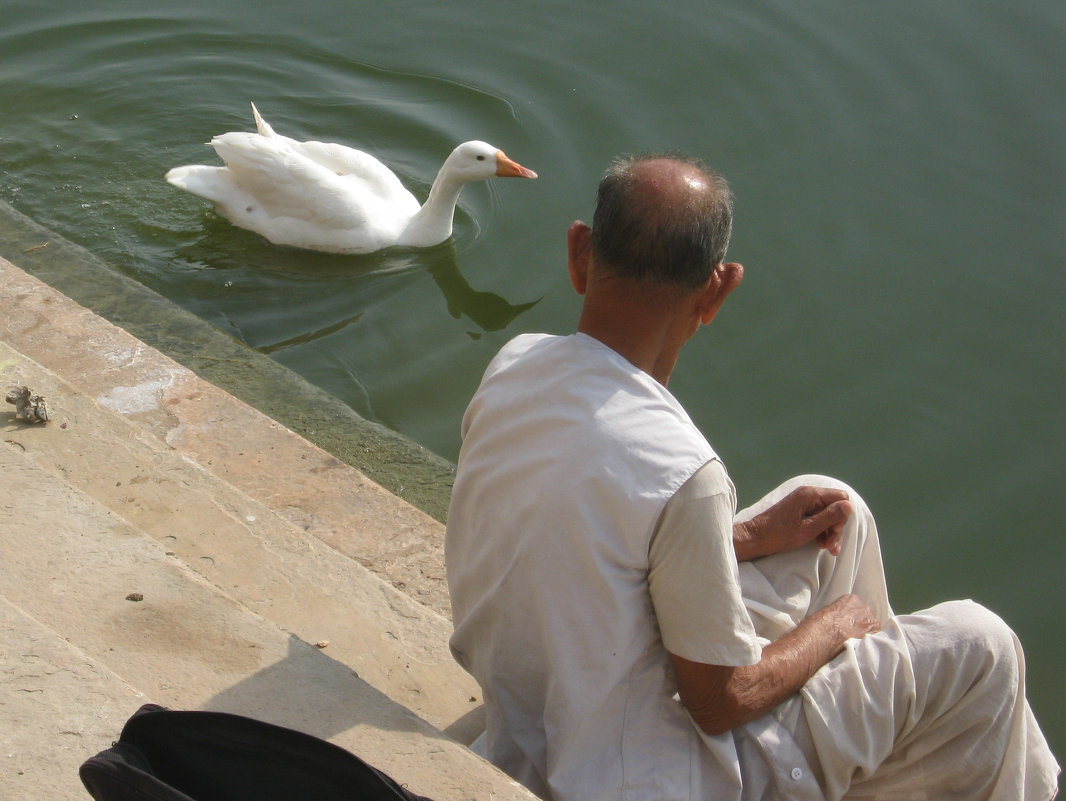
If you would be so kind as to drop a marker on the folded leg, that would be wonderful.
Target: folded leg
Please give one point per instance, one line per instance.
(782, 589)
(933, 706)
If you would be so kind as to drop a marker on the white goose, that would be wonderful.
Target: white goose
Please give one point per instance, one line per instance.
(330, 197)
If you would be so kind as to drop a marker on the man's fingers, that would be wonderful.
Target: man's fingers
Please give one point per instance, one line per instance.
(831, 519)
(831, 541)
(822, 497)
(805, 514)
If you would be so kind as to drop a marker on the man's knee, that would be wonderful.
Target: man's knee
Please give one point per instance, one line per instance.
(972, 622)
(862, 511)
(974, 641)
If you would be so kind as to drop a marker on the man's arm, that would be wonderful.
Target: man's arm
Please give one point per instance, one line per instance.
(720, 698)
(692, 595)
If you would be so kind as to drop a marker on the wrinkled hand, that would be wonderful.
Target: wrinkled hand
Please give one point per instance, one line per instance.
(805, 514)
(848, 618)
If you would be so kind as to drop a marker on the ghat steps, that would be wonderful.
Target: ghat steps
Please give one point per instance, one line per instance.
(161, 541)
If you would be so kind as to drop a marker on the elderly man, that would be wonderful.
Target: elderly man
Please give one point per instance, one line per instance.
(634, 636)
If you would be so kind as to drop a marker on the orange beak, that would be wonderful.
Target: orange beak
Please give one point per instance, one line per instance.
(505, 168)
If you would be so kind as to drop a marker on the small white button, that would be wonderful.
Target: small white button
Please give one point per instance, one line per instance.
(797, 773)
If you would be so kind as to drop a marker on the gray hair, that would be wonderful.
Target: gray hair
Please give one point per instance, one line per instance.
(637, 236)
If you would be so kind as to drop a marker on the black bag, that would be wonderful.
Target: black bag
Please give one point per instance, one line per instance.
(164, 755)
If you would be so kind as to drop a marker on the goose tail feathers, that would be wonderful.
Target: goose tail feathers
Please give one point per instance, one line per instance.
(261, 125)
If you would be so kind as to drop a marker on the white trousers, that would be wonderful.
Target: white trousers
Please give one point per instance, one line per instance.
(931, 707)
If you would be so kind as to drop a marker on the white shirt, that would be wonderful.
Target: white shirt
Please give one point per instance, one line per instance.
(562, 592)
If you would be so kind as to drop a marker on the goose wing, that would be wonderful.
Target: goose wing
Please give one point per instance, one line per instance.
(359, 170)
(320, 183)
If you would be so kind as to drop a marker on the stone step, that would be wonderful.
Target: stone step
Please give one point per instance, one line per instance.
(271, 579)
(58, 707)
(98, 617)
(240, 545)
(174, 419)
(300, 482)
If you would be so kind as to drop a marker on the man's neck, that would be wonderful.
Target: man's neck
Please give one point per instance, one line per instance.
(639, 332)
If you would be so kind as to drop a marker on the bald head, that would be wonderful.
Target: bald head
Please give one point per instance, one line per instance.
(665, 219)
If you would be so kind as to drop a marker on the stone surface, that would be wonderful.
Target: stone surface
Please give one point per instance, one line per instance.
(57, 706)
(257, 455)
(162, 542)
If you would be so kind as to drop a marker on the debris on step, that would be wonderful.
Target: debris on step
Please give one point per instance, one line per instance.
(27, 405)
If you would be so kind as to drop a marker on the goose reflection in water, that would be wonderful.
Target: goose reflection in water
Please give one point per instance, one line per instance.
(487, 310)
(309, 282)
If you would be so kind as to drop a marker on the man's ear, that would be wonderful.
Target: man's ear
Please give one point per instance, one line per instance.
(579, 251)
(725, 278)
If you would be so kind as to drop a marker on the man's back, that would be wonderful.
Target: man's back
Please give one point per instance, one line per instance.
(547, 554)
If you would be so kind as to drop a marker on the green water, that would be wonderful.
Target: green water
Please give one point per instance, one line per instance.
(899, 171)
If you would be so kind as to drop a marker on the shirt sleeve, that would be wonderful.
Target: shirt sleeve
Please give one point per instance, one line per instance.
(694, 579)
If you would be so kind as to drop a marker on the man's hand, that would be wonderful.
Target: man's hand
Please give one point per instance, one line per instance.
(805, 514)
(847, 618)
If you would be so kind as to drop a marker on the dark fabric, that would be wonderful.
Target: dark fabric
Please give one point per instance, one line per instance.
(165, 755)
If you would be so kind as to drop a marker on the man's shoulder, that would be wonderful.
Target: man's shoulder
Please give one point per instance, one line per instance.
(709, 481)
(522, 347)
(525, 342)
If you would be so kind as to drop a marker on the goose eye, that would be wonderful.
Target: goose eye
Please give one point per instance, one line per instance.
(480, 158)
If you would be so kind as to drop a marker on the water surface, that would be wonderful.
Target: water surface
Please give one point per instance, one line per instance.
(899, 173)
